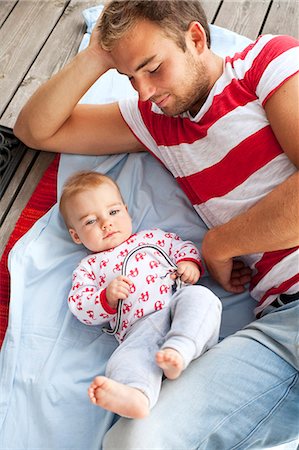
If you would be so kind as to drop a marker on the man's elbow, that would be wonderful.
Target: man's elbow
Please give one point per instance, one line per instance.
(22, 131)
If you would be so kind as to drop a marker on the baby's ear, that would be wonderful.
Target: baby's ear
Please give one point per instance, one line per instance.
(74, 236)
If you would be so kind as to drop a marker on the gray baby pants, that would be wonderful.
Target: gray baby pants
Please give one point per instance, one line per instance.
(189, 325)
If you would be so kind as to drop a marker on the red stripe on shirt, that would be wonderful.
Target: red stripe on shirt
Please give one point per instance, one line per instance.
(233, 96)
(170, 131)
(247, 158)
(242, 91)
(267, 262)
(283, 287)
(273, 48)
(241, 55)
(269, 53)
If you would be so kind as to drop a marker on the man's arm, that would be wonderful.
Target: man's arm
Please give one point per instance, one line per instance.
(272, 223)
(52, 119)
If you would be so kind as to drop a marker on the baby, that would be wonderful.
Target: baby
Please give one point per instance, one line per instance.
(140, 284)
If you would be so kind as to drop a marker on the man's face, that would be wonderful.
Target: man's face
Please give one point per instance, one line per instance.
(160, 71)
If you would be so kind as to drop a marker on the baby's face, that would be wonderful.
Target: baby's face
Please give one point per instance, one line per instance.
(100, 220)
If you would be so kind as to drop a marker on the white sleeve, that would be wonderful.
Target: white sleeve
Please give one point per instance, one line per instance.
(87, 297)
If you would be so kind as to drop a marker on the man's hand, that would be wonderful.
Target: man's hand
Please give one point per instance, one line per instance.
(188, 271)
(95, 48)
(231, 274)
(118, 289)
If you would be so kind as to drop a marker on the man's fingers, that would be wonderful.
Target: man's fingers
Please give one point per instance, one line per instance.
(241, 273)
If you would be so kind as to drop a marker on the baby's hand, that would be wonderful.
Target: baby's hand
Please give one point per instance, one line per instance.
(188, 271)
(118, 289)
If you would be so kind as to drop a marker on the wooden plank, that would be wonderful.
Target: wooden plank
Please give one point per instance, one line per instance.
(6, 6)
(40, 165)
(283, 18)
(22, 36)
(61, 46)
(15, 182)
(210, 7)
(243, 16)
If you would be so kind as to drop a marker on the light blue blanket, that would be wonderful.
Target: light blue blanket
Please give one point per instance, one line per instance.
(48, 357)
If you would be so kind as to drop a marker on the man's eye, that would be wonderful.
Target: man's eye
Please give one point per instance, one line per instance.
(156, 69)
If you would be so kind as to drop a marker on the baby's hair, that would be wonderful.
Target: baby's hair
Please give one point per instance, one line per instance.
(80, 182)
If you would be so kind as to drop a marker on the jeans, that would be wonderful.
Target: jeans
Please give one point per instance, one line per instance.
(241, 394)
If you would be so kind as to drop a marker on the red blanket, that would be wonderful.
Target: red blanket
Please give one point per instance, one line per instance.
(43, 198)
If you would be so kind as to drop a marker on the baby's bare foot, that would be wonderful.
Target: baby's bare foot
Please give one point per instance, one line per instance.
(171, 362)
(118, 398)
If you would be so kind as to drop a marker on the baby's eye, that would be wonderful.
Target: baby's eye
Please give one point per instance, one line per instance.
(113, 212)
(90, 222)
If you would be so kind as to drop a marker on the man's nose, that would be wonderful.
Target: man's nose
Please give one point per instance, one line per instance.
(145, 89)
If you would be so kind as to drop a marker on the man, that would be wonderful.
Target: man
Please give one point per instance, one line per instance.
(228, 131)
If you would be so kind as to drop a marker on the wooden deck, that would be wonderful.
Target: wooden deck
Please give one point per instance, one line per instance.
(38, 37)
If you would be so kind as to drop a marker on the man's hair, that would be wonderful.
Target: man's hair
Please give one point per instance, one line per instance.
(81, 182)
(173, 16)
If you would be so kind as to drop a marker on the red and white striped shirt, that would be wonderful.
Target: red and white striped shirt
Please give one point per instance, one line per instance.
(227, 158)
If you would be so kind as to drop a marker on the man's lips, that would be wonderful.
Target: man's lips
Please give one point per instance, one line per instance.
(161, 101)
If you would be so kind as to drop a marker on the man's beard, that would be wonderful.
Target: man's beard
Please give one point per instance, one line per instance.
(195, 93)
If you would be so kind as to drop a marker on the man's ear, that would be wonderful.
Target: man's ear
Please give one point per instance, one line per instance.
(198, 36)
(74, 236)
